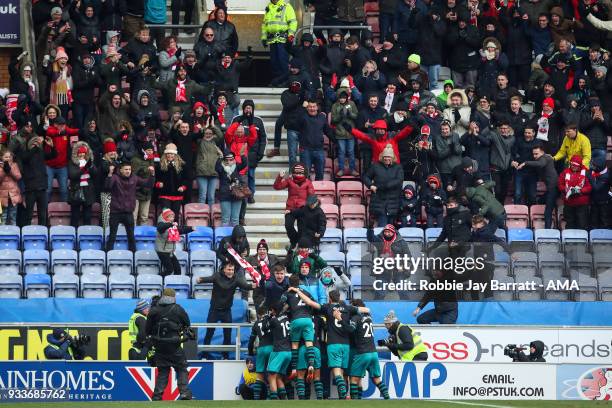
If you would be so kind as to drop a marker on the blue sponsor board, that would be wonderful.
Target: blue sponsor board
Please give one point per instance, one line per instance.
(409, 380)
(102, 381)
(584, 382)
(10, 22)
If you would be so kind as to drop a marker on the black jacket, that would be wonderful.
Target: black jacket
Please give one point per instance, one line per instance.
(545, 167)
(444, 300)
(227, 79)
(388, 182)
(85, 80)
(332, 60)
(225, 34)
(226, 181)
(431, 38)
(232, 240)
(456, 227)
(167, 314)
(33, 159)
(464, 48)
(536, 357)
(597, 131)
(519, 53)
(292, 109)
(395, 63)
(224, 288)
(309, 221)
(312, 129)
(112, 15)
(478, 147)
(171, 179)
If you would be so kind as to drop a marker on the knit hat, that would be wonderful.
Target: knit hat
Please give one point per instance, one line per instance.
(109, 146)
(388, 152)
(142, 305)
(389, 227)
(425, 130)
(82, 149)
(433, 179)
(147, 145)
(550, 102)
(199, 104)
(390, 317)
(56, 10)
(600, 68)
(416, 58)
(299, 167)
(60, 53)
(228, 154)
(345, 83)
(190, 53)
(169, 292)
(594, 101)
(576, 160)
(248, 102)
(312, 199)
(60, 120)
(166, 213)
(170, 148)
(466, 162)
(262, 244)
(307, 37)
(379, 124)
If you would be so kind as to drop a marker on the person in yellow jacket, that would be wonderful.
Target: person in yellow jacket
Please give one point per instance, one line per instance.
(574, 143)
(278, 29)
(136, 327)
(403, 342)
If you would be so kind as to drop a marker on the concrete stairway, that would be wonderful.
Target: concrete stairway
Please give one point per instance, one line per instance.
(266, 218)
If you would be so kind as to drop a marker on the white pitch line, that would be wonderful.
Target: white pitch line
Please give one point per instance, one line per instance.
(473, 404)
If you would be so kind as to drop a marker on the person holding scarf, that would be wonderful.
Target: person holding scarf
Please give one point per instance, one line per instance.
(171, 181)
(181, 90)
(389, 244)
(298, 184)
(549, 127)
(169, 58)
(60, 78)
(575, 187)
(81, 172)
(229, 174)
(168, 234)
(263, 261)
(143, 165)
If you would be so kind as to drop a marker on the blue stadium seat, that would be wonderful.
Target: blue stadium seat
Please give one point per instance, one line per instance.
(92, 261)
(331, 240)
(64, 261)
(354, 238)
(148, 285)
(202, 263)
(548, 240)
(601, 240)
(65, 285)
(200, 238)
(119, 261)
(10, 261)
(37, 285)
(121, 239)
(415, 237)
(222, 232)
(93, 285)
(36, 261)
(34, 237)
(356, 261)
(431, 234)
(200, 290)
(10, 286)
(183, 258)
(10, 237)
(501, 264)
(180, 283)
(62, 237)
(147, 263)
(121, 286)
(520, 239)
(334, 259)
(145, 237)
(574, 240)
(90, 237)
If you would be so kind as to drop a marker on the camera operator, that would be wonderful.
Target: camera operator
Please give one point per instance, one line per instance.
(403, 342)
(63, 346)
(536, 350)
(168, 326)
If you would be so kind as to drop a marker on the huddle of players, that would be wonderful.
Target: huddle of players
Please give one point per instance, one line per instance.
(291, 336)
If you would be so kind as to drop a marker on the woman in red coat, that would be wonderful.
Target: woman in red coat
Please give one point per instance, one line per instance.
(239, 141)
(576, 189)
(298, 184)
(382, 139)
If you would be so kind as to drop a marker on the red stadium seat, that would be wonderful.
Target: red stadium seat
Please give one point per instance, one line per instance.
(331, 213)
(536, 216)
(517, 216)
(371, 8)
(59, 213)
(326, 190)
(353, 215)
(350, 192)
(216, 215)
(197, 215)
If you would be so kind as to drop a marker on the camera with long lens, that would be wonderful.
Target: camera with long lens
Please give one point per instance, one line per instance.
(512, 351)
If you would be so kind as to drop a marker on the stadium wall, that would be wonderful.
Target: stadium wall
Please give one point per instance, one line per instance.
(133, 381)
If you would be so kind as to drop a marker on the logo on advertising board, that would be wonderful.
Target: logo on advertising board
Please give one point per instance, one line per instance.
(409, 380)
(145, 378)
(584, 382)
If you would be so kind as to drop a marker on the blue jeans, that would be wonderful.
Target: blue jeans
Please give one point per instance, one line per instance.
(206, 189)
(230, 212)
(382, 220)
(251, 179)
(61, 175)
(292, 145)
(431, 315)
(385, 21)
(346, 147)
(279, 60)
(433, 72)
(316, 157)
(525, 183)
(9, 215)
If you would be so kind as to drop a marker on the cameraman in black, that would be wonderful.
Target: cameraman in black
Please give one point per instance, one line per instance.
(63, 346)
(168, 326)
(536, 351)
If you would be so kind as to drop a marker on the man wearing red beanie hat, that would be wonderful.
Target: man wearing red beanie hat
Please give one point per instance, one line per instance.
(576, 188)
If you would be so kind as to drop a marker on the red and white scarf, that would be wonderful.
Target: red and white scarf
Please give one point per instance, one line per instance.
(573, 180)
(256, 276)
(543, 126)
(414, 101)
(181, 91)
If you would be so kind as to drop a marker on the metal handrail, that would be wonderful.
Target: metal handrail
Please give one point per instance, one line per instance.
(313, 27)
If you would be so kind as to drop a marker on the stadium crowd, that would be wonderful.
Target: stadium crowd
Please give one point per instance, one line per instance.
(122, 116)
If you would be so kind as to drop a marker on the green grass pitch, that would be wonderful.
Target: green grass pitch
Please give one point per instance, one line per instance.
(326, 404)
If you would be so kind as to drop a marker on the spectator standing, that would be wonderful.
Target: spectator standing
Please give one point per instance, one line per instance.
(264, 262)
(477, 144)
(576, 188)
(207, 153)
(292, 100)
(171, 181)
(168, 234)
(143, 166)
(109, 159)
(60, 81)
(298, 185)
(433, 198)
(545, 166)
(82, 174)
(10, 194)
(229, 176)
(239, 242)
(447, 150)
(463, 39)
(350, 13)
(574, 143)
(385, 179)
(224, 31)
(502, 142)
(344, 111)
(35, 179)
(595, 124)
(600, 194)
(277, 30)
(456, 228)
(525, 179)
(57, 167)
(122, 187)
(311, 222)
(458, 111)
(313, 125)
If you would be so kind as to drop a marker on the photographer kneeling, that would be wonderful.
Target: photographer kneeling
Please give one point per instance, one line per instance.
(63, 346)
(536, 350)
(168, 327)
